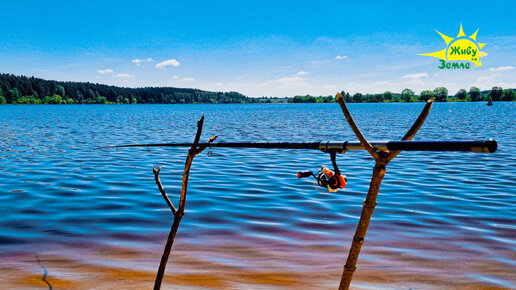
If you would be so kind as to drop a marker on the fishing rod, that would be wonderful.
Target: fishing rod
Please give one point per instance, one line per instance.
(334, 180)
(483, 146)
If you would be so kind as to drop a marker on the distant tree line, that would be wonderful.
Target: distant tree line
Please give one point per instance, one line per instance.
(271, 100)
(31, 90)
(312, 99)
(440, 94)
(408, 95)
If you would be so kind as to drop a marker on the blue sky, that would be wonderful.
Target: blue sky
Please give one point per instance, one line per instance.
(259, 48)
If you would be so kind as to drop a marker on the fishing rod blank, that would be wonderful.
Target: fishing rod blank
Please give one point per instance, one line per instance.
(483, 146)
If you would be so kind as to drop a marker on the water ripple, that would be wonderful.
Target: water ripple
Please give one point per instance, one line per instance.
(57, 190)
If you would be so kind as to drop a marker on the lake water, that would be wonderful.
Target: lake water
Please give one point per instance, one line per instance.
(443, 218)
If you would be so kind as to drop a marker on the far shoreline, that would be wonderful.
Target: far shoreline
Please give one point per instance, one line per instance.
(253, 103)
(30, 90)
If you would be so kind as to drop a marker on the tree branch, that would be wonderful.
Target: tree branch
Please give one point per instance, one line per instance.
(162, 190)
(354, 127)
(178, 214)
(415, 127)
(420, 120)
(192, 152)
(200, 123)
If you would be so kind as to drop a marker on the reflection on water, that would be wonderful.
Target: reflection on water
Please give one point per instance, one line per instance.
(59, 196)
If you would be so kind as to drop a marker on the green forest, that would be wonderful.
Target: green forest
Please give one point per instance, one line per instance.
(407, 95)
(31, 90)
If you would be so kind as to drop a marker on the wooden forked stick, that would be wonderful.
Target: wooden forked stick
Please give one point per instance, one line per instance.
(382, 158)
(179, 213)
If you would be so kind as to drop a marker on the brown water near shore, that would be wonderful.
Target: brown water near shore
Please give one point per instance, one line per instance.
(237, 267)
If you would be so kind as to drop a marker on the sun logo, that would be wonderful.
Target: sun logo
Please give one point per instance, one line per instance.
(459, 48)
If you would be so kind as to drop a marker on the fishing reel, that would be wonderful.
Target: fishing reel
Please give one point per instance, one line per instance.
(332, 180)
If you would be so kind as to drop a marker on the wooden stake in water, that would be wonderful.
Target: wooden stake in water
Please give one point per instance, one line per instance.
(382, 158)
(180, 211)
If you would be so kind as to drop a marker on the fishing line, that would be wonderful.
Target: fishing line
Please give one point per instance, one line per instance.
(317, 188)
(210, 153)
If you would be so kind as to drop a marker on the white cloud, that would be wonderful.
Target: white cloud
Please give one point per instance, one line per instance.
(382, 83)
(297, 85)
(188, 79)
(138, 61)
(301, 73)
(317, 62)
(488, 79)
(500, 68)
(175, 77)
(341, 57)
(290, 80)
(375, 87)
(105, 71)
(414, 82)
(170, 62)
(332, 87)
(125, 76)
(415, 76)
(280, 87)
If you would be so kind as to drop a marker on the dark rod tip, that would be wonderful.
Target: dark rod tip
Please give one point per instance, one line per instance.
(491, 145)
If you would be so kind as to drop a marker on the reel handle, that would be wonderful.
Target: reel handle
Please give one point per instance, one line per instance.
(303, 174)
